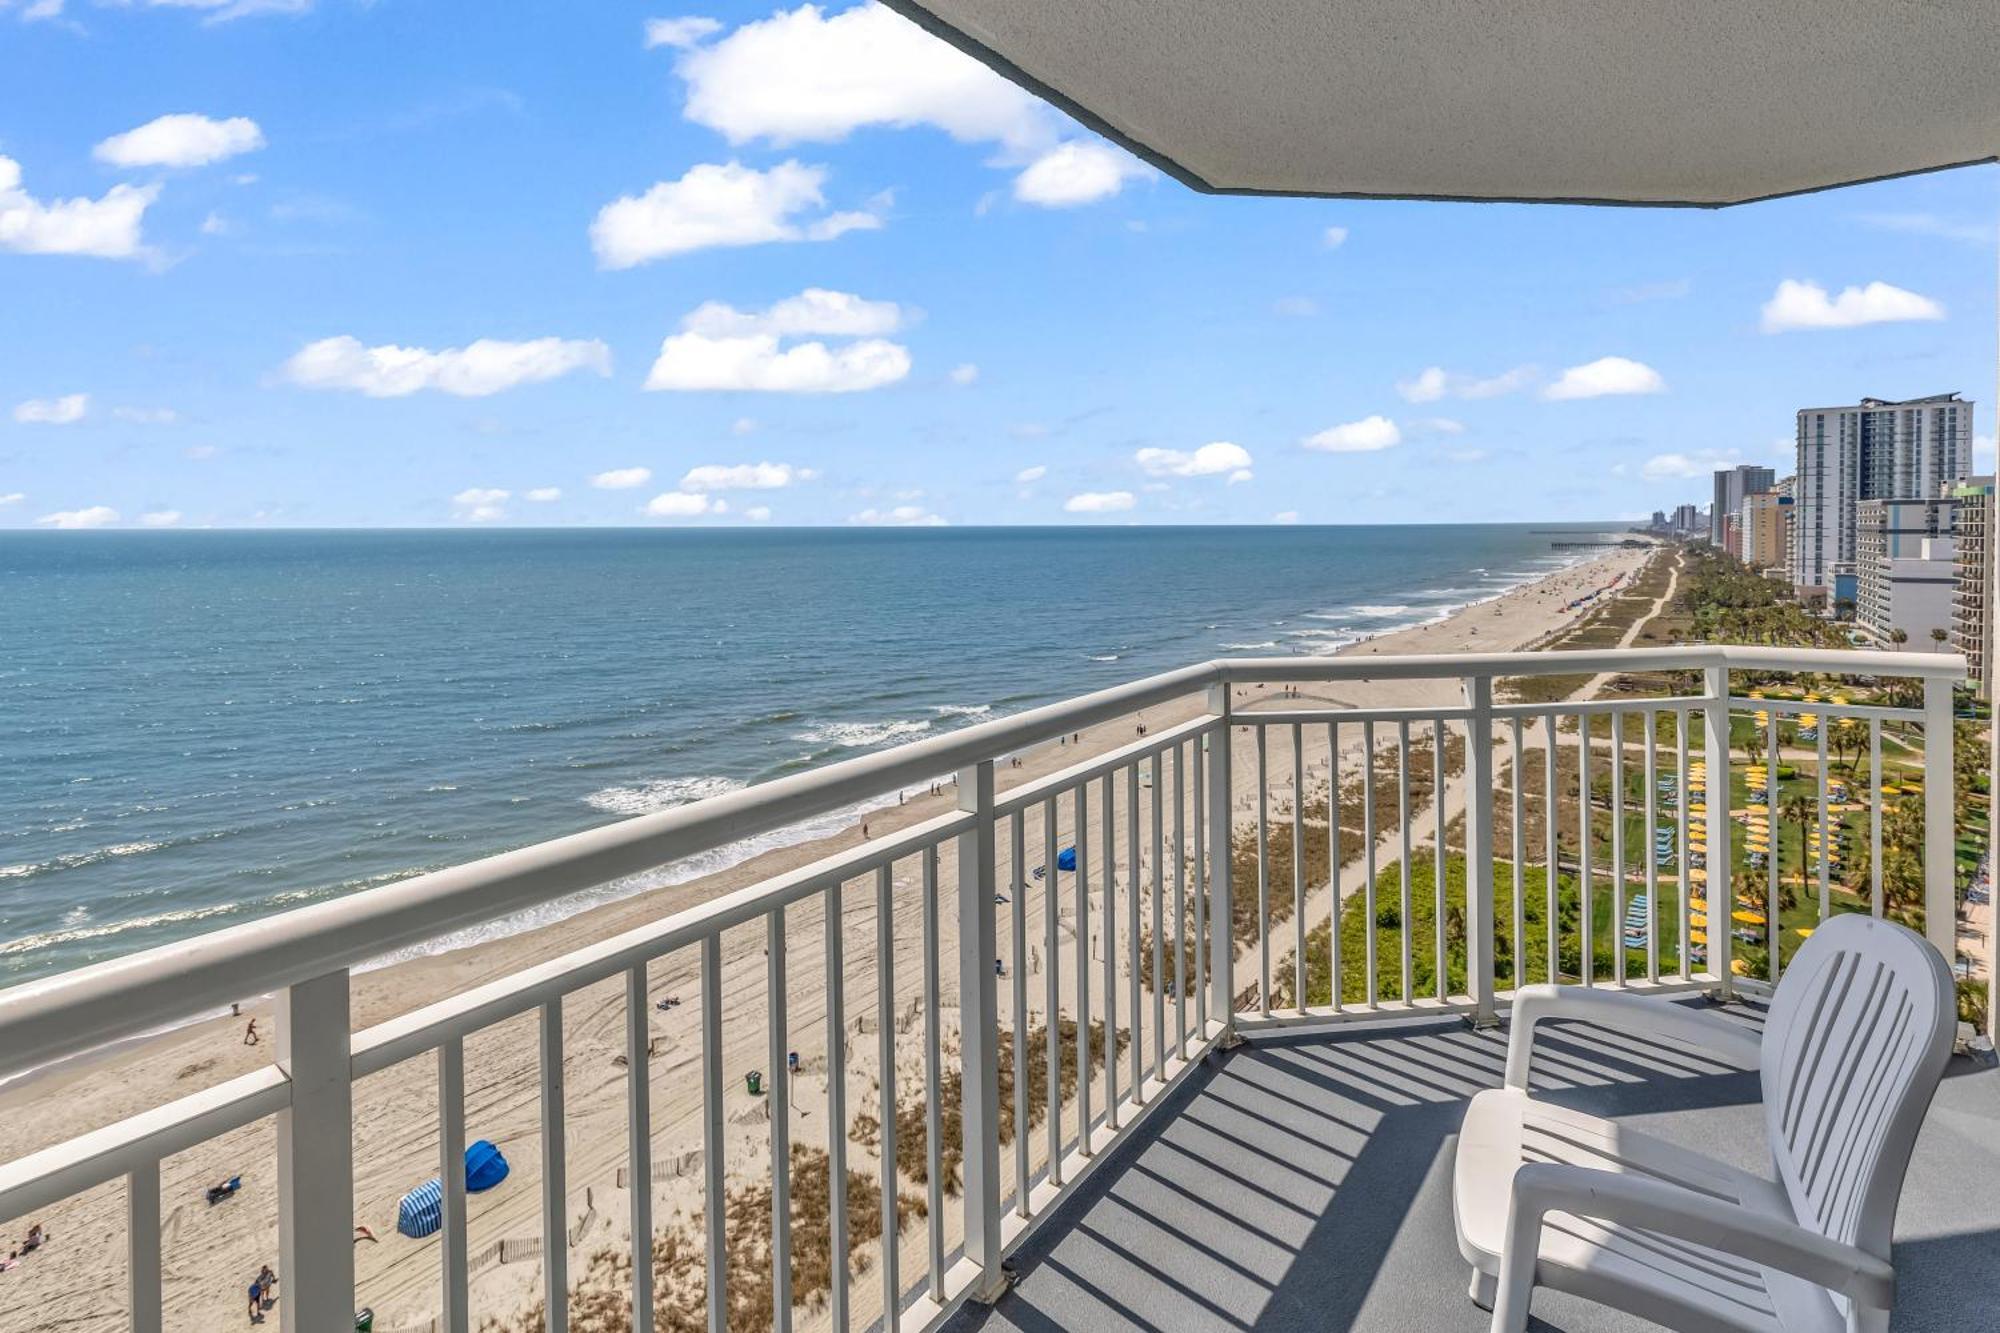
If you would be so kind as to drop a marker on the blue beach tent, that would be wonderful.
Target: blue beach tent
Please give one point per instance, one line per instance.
(421, 1212)
(1066, 859)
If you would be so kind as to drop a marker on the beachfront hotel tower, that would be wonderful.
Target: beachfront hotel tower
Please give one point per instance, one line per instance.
(1874, 450)
(1732, 487)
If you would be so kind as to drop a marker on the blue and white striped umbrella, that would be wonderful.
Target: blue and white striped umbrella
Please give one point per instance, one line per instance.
(422, 1211)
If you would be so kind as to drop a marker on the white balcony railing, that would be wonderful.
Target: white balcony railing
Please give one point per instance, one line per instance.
(1152, 957)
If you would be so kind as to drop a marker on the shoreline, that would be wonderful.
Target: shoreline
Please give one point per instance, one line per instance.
(391, 1108)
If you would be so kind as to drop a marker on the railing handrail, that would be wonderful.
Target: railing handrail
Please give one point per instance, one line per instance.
(76, 1011)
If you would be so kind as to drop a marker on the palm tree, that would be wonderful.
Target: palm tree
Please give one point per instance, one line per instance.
(1899, 636)
(1801, 810)
(1938, 636)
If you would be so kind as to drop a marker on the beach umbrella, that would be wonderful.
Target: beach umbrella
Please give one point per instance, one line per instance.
(1751, 918)
(421, 1213)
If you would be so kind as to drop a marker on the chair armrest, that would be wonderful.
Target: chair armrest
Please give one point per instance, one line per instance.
(1655, 1205)
(1618, 1009)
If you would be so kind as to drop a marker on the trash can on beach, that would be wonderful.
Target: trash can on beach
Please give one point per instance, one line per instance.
(364, 1321)
(753, 1082)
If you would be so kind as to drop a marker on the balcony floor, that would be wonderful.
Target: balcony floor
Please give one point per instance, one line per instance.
(1303, 1182)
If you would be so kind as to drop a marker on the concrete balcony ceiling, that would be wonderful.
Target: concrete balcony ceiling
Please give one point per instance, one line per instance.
(1697, 102)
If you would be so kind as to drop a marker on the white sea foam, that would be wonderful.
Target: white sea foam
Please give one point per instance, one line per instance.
(963, 710)
(1246, 647)
(77, 860)
(1104, 657)
(645, 798)
(860, 735)
(1378, 609)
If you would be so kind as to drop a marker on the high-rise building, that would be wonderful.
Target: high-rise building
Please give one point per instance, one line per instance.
(1972, 611)
(1688, 521)
(1874, 450)
(1906, 570)
(1763, 527)
(1731, 485)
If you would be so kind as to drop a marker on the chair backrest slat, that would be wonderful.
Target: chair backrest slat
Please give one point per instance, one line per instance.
(1854, 1045)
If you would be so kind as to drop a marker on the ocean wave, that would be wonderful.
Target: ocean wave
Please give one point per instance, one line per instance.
(645, 798)
(77, 860)
(80, 934)
(1104, 657)
(963, 710)
(1378, 608)
(860, 735)
(1245, 647)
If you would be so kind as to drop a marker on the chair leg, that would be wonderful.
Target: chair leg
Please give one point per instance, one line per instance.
(1482, 1290)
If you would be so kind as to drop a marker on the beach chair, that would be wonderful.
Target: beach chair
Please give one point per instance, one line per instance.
(1851, 1051)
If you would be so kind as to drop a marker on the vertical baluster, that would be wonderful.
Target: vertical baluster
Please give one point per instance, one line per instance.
(933, 1078)
(1298, 867)
(1520, 849)
(1132, 881)
(451, 1175)
(315, 1134)
(1552, 886)
(1263, 874)
(1721, 885)
(1875, 799)
(1368, 858)
(1180, 901)
(1081, 810)
(1617, 847)
(1825, 846)
(1652, 844)
(1773, 932)
(1940, 919)
(885, 1043)
(639, 1143)
(142, 1246)
(1110, 940)
(714, 1204)
(979, 1024)
(1684, 871)
(1018, 842)
(1203, 875)
(1333, 863)
(781, 1121)
(1440, 962)
(1159, 845)
(836, 1103)
(1586, 952)
(555, 1172)
(1403, 818)
(1482, 925)
(1052, 990)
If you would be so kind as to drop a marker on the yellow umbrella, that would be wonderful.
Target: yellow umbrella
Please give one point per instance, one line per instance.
(1739, 967)
(1698, 936)
(1805, 932)
(1751, 918)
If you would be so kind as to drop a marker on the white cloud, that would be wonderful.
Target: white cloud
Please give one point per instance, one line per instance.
(480, 504)
(814, 310)
(160, 518)
(1604, 376)
(964, 374)
(622, 478)
(1285, 516)
(723, 348)
(1075, 173)
(13, 497)
(1028, 475)
(1297, 307)
(1435, 382)
(181, 140)
(744, 477)
(106, 228)
(806, 76)
(1437, 426)
(680, 33)
(480, 368)
(216, 225)
(147, 416)
(680, 504)
(1216, 459)
(1806, 305)
(1334, 237)
(1366, 436)
(743, 426)
(97, 516)
(902, 516)
(543, 494)
(222, 11)
(61, 411)
(758, 513)
(200, 452)
(725, 204)
(1100, 502)
(1686, 466)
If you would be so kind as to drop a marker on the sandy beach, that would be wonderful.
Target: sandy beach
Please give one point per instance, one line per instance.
(76, 1281)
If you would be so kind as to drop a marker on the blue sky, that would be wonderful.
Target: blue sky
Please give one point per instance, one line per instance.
(411, 263)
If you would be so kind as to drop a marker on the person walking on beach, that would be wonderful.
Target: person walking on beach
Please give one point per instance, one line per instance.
(250, 1037)
(257, 1299)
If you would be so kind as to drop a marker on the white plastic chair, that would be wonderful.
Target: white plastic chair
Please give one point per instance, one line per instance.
(1852, 1050)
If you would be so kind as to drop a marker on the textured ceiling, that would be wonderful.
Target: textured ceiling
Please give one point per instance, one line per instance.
(1619, 101)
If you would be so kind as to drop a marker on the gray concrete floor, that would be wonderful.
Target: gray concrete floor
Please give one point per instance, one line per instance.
(1303, 1182)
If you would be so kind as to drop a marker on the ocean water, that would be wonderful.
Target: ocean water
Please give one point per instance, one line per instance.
(197, 729)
